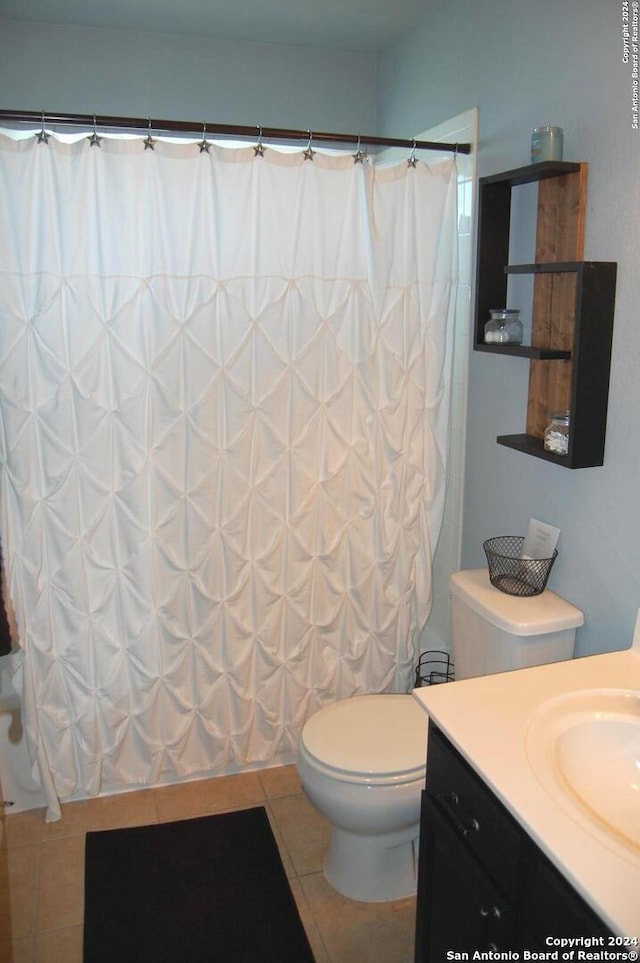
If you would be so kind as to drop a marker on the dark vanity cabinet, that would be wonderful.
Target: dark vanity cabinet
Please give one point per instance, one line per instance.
(483, 884)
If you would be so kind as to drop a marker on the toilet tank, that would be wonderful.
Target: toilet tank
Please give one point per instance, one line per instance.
(496, 632)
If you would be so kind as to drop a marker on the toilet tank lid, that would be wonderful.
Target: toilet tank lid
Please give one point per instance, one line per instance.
(371, 734)
(533, 615)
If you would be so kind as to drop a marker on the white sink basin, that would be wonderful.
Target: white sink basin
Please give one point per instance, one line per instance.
(584, 748)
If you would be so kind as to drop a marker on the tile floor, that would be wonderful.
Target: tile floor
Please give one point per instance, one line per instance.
(42, 870)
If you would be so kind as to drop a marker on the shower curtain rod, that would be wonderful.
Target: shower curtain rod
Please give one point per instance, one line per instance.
(228, 130)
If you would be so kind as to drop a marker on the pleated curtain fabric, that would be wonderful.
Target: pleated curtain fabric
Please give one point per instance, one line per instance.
(224, 393)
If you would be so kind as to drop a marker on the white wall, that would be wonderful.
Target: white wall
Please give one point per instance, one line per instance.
(523, 66)
(137, 74)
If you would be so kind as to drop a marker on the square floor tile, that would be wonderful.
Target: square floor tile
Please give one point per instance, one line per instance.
(305, 832)
(353, 931)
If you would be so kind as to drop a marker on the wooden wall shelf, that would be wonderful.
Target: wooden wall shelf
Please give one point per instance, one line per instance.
(572, 310)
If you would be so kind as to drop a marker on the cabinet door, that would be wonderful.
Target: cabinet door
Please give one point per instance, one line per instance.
(459, 908)
(552, 908)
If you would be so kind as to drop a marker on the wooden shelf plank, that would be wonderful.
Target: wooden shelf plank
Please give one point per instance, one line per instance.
(534, 446)
(562, 203)
(525, 351)
(556, 267)
(553, 267)
(532, 173)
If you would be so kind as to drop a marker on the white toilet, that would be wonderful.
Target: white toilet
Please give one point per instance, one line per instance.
(362, 761)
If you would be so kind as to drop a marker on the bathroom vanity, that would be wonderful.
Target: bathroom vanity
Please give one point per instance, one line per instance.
(485, 884)
(515, 852)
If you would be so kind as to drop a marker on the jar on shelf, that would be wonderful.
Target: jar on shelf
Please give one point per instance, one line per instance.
(546, 144)
(504, 327)
(556, 435)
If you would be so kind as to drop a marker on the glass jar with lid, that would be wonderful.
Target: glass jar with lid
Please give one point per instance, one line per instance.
(504, 327)
(546, 144)
(556, 435)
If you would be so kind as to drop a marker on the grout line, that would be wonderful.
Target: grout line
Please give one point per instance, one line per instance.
(316, 923)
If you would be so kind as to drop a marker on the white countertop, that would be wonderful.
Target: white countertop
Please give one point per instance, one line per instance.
(487, 719)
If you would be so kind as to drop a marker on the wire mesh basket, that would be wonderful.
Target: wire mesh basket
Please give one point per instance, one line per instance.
(434, 667)
(510, 572)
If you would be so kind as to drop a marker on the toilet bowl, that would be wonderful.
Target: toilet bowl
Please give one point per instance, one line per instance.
(362, 765)
(362, 761)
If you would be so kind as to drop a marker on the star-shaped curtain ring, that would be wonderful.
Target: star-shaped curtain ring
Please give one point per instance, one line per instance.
(360, 155)
(42, 135)
(259, 148)
(307, 152)
(149, 142)
(93, 139)
(204, 144)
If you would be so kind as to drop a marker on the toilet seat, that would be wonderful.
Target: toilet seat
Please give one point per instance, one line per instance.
(372, 740)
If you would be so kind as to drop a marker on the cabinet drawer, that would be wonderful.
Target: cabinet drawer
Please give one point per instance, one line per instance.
(472, 811)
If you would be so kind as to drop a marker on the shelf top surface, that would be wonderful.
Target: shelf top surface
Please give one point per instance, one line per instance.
(559, 267)
(533, 172)
(524, 351)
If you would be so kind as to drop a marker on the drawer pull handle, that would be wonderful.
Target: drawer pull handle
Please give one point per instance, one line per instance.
(446, 800)
(494, 912)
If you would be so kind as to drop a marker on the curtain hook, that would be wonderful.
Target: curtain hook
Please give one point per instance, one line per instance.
(43, 137)
(204, 145)
(259, 149)
(412, 159)
(94, 140)
(360, 155)
(308, 153)
(149, 142)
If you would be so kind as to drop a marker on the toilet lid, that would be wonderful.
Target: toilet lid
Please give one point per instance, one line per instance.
(374, 734)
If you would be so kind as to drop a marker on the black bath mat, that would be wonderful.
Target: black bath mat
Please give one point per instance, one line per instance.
(207, 890)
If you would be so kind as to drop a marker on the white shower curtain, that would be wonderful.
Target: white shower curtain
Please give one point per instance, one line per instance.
(224, 393)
